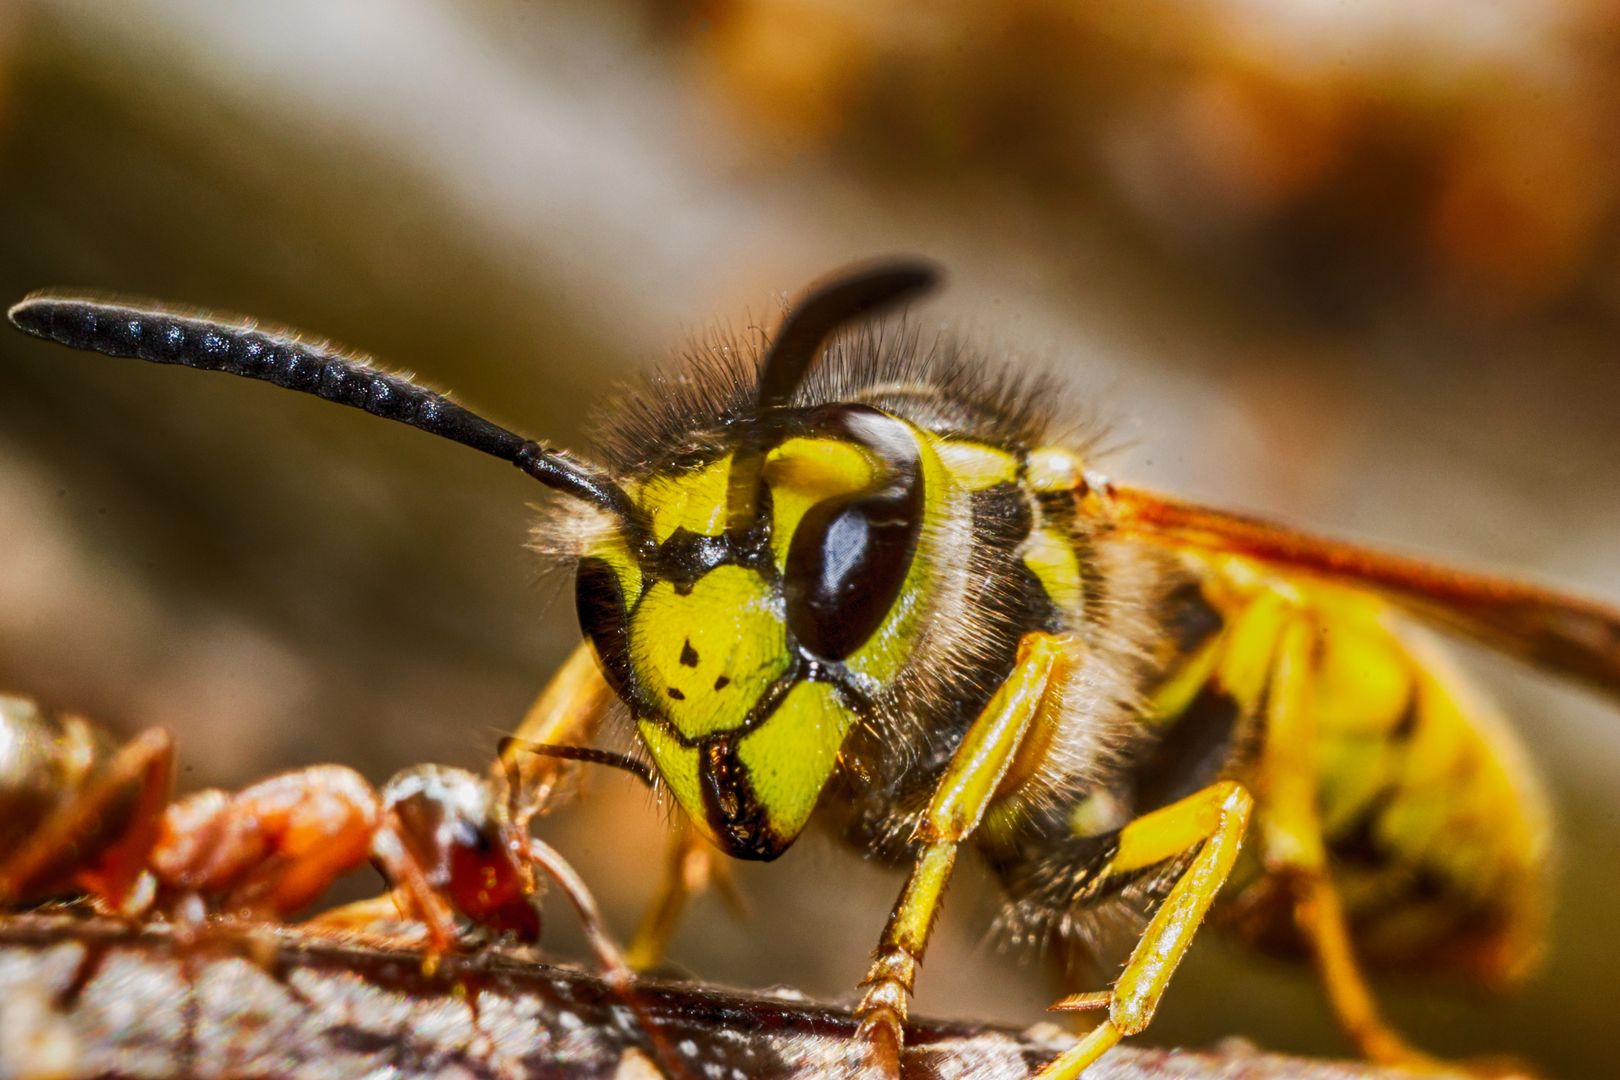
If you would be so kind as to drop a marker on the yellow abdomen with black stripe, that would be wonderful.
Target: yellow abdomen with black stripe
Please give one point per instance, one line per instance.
(1435, 826)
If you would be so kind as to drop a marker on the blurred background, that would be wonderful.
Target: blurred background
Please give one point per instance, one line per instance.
(1349, 264)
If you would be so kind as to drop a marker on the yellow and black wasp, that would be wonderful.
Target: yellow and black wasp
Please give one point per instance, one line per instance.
(848, 576)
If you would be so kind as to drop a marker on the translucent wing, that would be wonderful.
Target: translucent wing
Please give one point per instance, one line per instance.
(1564, 634)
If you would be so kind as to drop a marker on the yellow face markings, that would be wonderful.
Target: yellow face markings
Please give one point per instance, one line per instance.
(1051, 557)
(695, 501)
(817, 468)
(802, 472)
(704, 658)
(791, 755)
(974, 466)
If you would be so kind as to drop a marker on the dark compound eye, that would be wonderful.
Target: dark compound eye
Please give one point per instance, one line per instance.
(603, 616)
(850, 554)
(845, 568)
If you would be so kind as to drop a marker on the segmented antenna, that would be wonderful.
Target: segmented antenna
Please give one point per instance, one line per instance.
(855, 292)
(171, 336)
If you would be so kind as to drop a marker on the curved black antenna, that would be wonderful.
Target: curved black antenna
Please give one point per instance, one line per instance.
(854, 292)
(191, 339)
(590, 755)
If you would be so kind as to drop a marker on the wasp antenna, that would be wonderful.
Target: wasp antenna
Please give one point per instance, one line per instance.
(855, 292)
(191, 339)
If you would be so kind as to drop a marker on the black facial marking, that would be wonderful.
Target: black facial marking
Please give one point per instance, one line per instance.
(686, 556)
(768, 701)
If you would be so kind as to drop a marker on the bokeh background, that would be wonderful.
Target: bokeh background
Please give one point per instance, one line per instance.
(1350, 264)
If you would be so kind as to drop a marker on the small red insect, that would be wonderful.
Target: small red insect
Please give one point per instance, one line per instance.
(82, 816)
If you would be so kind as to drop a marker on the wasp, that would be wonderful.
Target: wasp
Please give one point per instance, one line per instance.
(850, 575)
(87, 817)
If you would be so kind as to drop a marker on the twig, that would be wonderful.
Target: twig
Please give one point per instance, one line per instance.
(82, 997)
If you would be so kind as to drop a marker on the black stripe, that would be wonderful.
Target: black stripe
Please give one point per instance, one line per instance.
(1195, 750)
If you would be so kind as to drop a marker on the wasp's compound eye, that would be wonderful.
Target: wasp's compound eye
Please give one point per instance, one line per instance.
(846, 566)
(599, 600)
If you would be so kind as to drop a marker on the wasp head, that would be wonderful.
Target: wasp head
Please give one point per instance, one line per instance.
(768, 602)
(760, 597)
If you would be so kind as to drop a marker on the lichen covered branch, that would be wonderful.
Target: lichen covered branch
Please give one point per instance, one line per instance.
(84, 997)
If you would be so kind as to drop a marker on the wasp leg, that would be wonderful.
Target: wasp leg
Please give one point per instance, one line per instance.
(1294, 850)
(1210, 823)
(958, 806)
(568, 711)
(691, 867)
(146, 764)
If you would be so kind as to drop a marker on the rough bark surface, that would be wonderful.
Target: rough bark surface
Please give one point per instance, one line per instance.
(90, 998)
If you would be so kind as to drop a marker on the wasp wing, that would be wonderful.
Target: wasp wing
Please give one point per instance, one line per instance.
(1564, 634)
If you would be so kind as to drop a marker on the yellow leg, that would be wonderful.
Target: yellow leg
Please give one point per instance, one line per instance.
(568, 711)
(1294, 850)
(690, 868)
(1212, 823)
(964, 793)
